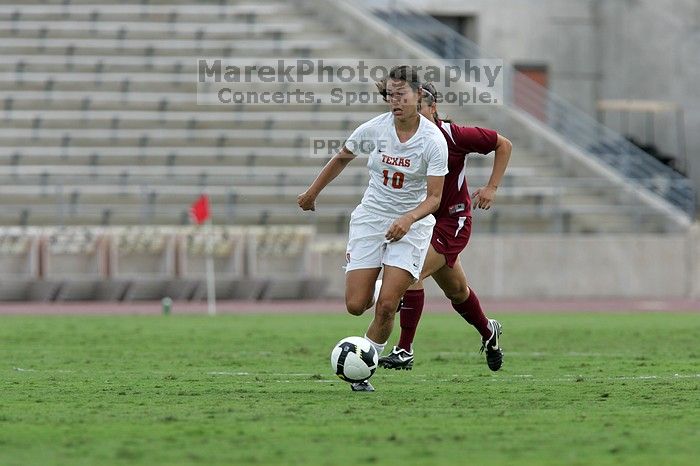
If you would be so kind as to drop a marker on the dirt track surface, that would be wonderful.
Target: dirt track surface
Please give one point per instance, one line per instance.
(337, 306)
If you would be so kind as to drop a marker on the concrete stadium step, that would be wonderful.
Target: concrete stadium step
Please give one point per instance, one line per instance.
(229, 176)
(256, 48)
(239, 195)
(149, 101)
(226, 155)
(145, 11)
(161, 103)
(70, 119)
(329, 221)
(151, 30)
(43, 62)
(177, 84)
(163, 137)
(334, 219)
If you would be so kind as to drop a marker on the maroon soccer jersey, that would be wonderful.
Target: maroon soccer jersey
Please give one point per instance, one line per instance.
(461, 140)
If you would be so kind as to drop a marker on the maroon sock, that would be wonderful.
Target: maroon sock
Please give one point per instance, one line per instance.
(410, 314)
(471, 311)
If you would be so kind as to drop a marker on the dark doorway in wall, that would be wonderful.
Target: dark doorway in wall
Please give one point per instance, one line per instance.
(528, 96)
(466, 25)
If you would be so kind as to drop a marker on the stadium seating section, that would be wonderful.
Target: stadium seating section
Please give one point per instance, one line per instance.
(101, 126)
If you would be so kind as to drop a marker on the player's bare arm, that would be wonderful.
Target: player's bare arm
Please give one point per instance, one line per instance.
(485, 195)
(334, 167)
(431, 203)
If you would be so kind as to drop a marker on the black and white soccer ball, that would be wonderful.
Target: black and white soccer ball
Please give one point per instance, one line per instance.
(354, 359)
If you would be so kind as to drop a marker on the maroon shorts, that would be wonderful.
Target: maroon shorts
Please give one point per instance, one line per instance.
(450, 237)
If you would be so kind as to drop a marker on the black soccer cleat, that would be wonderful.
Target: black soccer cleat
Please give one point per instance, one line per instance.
(363, 386)
(494, 353)
(398, 359)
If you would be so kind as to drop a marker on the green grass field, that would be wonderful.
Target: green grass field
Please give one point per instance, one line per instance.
(255, 390)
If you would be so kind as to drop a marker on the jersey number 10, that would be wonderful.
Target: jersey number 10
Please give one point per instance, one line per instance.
(396, 179)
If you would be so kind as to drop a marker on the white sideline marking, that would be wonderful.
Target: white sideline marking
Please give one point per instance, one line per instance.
(20, 369)
(645, 377)
(283, 374)
(571, 378)
(535, 354)
(470, 377)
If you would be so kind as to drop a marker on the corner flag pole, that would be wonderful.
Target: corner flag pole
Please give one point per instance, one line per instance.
(211, 280)
(200, 212)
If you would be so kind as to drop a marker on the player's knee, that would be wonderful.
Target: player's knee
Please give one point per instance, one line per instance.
(385, 309)
(458, 292)
(355, 307)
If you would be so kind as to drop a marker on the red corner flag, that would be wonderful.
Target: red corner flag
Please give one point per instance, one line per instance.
(200, 209)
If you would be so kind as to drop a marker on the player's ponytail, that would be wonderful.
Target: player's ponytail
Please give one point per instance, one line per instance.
(381, 88)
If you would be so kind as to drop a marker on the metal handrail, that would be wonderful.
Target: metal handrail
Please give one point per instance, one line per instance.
(577, 127)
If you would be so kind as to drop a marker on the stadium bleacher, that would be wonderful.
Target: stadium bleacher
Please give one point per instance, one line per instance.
(102, 126)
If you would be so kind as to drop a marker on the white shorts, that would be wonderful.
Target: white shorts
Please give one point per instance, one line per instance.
(369, 249)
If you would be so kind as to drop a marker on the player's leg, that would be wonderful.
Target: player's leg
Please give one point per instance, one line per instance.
(394, 284)
(359, 289)
(453, 282)
(403, 261)
(366, 245)
(414, 299)
(401, 356)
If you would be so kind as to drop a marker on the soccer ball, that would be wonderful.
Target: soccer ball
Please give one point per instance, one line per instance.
(354, 359)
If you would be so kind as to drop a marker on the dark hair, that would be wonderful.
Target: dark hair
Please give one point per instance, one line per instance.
(429, 93)
(406, 73)
(403, 73)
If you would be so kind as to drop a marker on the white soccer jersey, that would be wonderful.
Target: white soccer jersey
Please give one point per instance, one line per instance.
(397, 181)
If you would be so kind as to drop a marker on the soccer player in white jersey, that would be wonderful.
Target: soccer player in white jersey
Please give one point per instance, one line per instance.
(451, 235)
(392, 226)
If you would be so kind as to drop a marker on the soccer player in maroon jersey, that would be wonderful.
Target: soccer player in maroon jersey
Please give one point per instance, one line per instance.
(451, 235)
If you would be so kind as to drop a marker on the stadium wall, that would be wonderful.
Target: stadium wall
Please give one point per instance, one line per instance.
(651, 50)
(604, 49)
(555, 266)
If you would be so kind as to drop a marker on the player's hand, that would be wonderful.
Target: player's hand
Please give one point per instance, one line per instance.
(484, 197)
(307, 201)
(399, 228)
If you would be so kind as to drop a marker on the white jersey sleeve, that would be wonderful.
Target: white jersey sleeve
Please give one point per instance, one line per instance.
(363, 140)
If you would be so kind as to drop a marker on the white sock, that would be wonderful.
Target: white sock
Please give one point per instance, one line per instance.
(379, 347)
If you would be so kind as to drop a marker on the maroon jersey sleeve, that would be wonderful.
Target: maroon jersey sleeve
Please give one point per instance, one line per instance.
(474, 139)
